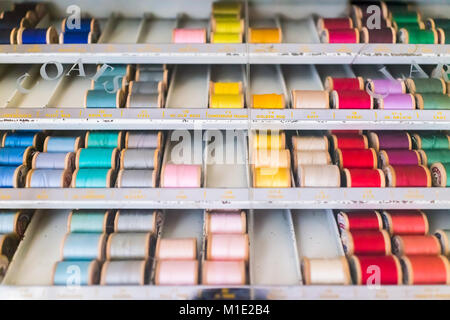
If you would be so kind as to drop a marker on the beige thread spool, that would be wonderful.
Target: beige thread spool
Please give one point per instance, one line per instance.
(319, 176)
(310, 143)
(176, 249)
(310, 99)
(326, 271)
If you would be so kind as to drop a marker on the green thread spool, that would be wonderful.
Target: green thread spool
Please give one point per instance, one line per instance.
(103, 139)
(426, 85)
(433, 101)
(430, 141)
(444, 35)
(417, 36)
(91, 221)
(405, 16)
(438, 23)
(102, 99)
(92, 178)
(430, 157)
(409, 25)
(440, 174)
(96, 158)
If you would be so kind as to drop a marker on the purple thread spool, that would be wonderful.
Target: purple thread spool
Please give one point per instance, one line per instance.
(397, 101)
(386, 140)
(387, 86)
(399, 157)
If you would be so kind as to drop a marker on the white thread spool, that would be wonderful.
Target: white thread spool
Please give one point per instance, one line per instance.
(135, 221)
(326, 271)
(319, 176)
(131, 272)
(128, 246)
(310, 143)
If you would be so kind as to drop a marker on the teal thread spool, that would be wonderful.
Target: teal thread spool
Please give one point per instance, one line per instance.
(433, 101)
(118, 70)
(444, 35)
(103, 99)
(91, 221)
(104, 139)
(92, 178)
(438, 23)
(430, 157)
(96, 158)
(108, 83)
(440, 174)
(84, 273)
(84, 246)
(431, 140)
(426, 85)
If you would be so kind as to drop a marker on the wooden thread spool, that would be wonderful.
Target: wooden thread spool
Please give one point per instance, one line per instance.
(440, 174)
(176, 272)
(22, 139)
(390, 140)
(224, 273)
(310, 99)
(315, 157)
(224, 223)
(176, 249)
(224, 247)
(14, 222)
(364, 178)
(426, 85)
(83, 246)
(326, 271)
(225, 87)
(310, 143)
(413, 245)
(265, 35)
(387, 268)
(340, 36)
(89, 273)
(347, 84)
(91, 221)
(419, 270)
(401, 157)
(8, 244)
(219, 37)
(93, 178)
(97, 158)
(181, 176)
(228, 101)
(272, 158)
(430, 140)
(230, 26)
(146, 87)
(136, 178)
(345, 141)
(366, 242)
(139, 158)
(104, 139)
(143, 139)
(268, 101)
(269, 140)
(319, 176)
(135, 272)
(12, 177)
(406, 222)
(356, 159)
(383, 35)
(48, 178)
(444, 237)
(130, 220)
(432, 101)
(189, 35)
(128, 246)
(62, 144)
(145, 100)
(360, 220)
(407, 176)
(272, 178)
(351, 99)
(429, 157)
(55, 160)
(334, 23)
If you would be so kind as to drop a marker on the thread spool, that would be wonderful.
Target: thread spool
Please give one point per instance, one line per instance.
(77, 38)
(265, 35)
(181, 176)
(128, 246)
(426, 85)
(8, 244)
(272, 178)
(89, 158)
(319, 176)
(364, 178)
(225, 87)
(103, 99)
(226, 222)
(8, 36)
(361, 9)
(55, 160)
(418, 36)
(425, 270)
(224, 247)
(103, 139)
(340, 36)
(269, 140)
(363, 268)
(62, 144)
(83, 246)
(147, 100)
(139, 158)
(401, 157)
(143, 139)
(351, 99)
(109, 83)
(444, 38)
(433, 101)
(189, 35)
(37, 36)
(272, 158)
(326, 271)
(386, 87)
(14, 222)
(176, 249)
(310, 99)
(136, 178)
(440, 174)
(319, 157)
(85, 25)
(397, 102)
(226, 37)
(431, 140)
(407, 176)
(170, 272)
(152, 67)
(444, 236)
(334, 23)
(433, 23)
(91, 221)
(22, 139)
(229, 101)
(135, 221)
(130, 273)
(146, 87)
(405, 222)
(366, 242)
(384, 35)
(15, 156)
(224, 273)
(413, 245)
(12, 177)
(430, 157)
(92, 178)
(356, 84)
(367, 22)
(15, 22)
(48, 178)
(310, 143)
(89, 273)
(127, 71)
(4, 263)
(143, 75)
(345, 141)
(356, 158)
(268, 101)
(390, 140)
(39, 8)
(360, 220)
(227, 26)
(18, 17)
(226, 7)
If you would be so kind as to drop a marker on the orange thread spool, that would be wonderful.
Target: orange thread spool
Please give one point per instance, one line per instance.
(426, 269)
(406, 222)
(413, 245)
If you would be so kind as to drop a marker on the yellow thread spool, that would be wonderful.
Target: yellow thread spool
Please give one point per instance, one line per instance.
(269, 141)
(264, 35)
(231, 101)
(268, 101)
(272, 178)
(227, 25)
(226, 7)
(226, 87)
(226, 37)
(272, 158)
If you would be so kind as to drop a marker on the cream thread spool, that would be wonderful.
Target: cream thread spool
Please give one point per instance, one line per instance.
(133, 272)
(310, 143)
(135, 221)
(176, 272)
(326, 271)
(310, 99)
(314, 157)
(222, 222)
(224, 273)
(176, 249)
(319, 176)
(144, 100)
(223, 247)
(272, 158)
(128, 246)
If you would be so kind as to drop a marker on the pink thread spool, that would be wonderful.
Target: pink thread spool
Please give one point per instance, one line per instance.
(223, 272)
(218, 222)
(176, 249)
(225, 247)
(170, 272)
(189, 35)
(181, 176)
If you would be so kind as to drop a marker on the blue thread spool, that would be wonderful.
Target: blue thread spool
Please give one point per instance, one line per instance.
(48, 178)
(91, 221)
(91, 158)
(66, 273)
(77, 37)
(11, 177)
(92, 178)
(86, 25)
(22, 139)
(84, 246)
(8, 36)
(13, 221)
(62, 144)
(53, 160)
(37, 36)
(15, 156)
(108, 83)
(103, 99)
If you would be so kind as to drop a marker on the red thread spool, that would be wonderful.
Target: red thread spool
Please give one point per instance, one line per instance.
(349, 141)
(346, 131)
(360, 220)
(344, 83)
(408, 176)
(334, 23)
(366, 242)
(372, 270)
(364, 178)
(340, 36)
(384, 35)
(425, 269)
(413, 245)
(356, 159)
(351, 99)
(402, 222)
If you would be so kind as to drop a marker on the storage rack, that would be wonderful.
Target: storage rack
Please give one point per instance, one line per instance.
(272, 206)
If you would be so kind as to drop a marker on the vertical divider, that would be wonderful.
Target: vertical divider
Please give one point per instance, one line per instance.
(59, 86)
(26, 81)
(294, 243)
(109, 27)
(141, 29)
(171, 86)
(287, 98)
(208, 80)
